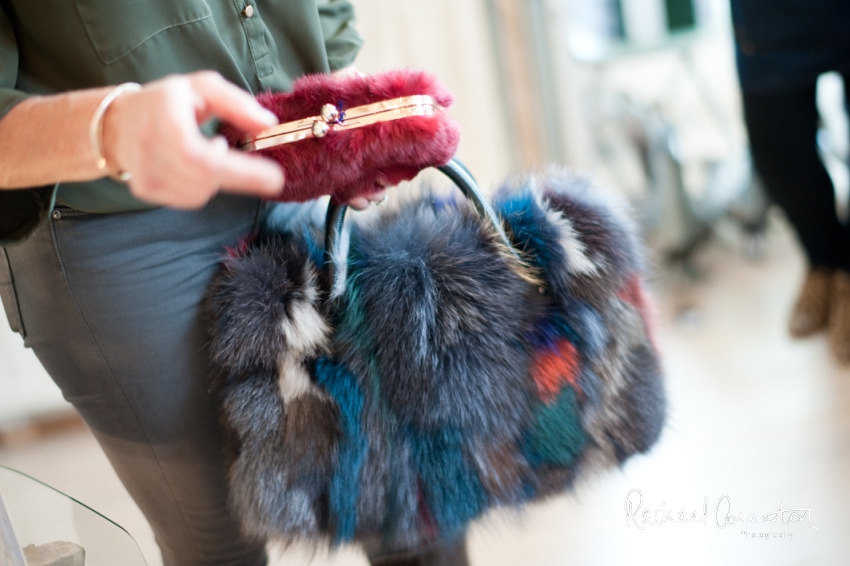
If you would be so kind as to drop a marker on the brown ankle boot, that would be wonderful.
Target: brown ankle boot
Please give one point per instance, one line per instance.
(839, 317)
(812, 311)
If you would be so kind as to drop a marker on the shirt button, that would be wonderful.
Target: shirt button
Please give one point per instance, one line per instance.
(248, 11)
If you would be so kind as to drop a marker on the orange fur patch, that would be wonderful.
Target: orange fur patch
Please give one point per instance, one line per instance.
(555, 367)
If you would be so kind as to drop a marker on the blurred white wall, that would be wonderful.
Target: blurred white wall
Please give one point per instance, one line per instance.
(689, 76)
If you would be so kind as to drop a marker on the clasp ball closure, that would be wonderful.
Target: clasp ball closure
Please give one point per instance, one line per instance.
(320, 129)
(330, 113)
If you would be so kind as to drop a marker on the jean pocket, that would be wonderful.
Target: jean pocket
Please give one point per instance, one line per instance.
(9, 296)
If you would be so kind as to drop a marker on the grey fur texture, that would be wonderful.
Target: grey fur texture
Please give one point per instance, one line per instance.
(457, 316)
(445, 378)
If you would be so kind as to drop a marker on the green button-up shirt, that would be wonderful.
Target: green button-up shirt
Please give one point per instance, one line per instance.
(50, 46)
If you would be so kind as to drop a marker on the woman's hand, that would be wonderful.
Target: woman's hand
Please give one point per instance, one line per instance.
(362, 203)
(155, 135)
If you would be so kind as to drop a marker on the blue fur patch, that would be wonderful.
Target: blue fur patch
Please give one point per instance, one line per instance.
(452, 488)
(531, 232)
(343, 387)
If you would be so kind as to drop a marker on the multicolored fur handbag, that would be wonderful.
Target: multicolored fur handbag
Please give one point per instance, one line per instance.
(389, 383)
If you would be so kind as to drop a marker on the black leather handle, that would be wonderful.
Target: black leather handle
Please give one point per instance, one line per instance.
(334, 225)
(454, 170)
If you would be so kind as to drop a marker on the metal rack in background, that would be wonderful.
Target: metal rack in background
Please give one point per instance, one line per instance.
(676, 222)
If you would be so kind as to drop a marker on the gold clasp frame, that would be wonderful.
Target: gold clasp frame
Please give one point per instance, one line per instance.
(334, 119)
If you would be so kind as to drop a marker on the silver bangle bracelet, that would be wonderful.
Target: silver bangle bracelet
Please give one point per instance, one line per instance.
(96, 129)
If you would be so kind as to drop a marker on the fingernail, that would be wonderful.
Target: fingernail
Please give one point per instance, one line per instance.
(270, 118)
(359, 203)
(220, 143)
(276, 180)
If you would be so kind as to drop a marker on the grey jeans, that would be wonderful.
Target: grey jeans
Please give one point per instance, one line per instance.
(109, 303)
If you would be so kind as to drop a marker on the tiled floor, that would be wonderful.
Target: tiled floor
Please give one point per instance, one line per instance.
(754, 416)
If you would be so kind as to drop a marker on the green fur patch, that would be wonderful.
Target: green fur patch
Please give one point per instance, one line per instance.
(556, 436)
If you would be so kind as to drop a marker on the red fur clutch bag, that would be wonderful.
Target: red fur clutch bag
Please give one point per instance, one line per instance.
(339, 135)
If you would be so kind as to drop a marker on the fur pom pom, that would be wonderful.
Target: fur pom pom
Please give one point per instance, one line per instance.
(448, 320)
(263, 304)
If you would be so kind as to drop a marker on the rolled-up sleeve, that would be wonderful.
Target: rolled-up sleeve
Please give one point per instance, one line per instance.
(9, 97)
(342, 41)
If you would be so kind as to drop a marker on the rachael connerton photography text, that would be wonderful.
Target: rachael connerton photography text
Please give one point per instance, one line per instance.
(724, 515)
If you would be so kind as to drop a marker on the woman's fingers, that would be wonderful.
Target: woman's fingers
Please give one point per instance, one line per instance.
(380, 196)
(248, 174)
(359, 203)
(237, 172)
(229, 103)
(362, 203)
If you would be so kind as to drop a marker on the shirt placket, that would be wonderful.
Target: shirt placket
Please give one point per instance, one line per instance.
(255, 29)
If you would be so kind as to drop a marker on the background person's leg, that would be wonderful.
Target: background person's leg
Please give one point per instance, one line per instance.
(839, 324)
(782, 129)
(110, 306)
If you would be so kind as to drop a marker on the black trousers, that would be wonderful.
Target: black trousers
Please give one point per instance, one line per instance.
(109, 303)
(782, 128)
